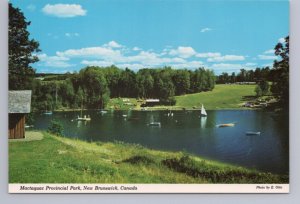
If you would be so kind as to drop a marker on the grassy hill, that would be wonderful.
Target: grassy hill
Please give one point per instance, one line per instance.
(222, 97)
(51, 159)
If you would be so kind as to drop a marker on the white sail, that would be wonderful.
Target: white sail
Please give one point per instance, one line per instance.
(203, 112)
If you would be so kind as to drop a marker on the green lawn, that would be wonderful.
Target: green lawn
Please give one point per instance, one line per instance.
(61, 160)
(222, 97)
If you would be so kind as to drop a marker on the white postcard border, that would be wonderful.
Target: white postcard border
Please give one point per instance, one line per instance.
(148, 188)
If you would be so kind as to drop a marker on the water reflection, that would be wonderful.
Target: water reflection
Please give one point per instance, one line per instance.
(203, 122)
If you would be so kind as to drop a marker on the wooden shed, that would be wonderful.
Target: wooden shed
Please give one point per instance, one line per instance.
(18, 105)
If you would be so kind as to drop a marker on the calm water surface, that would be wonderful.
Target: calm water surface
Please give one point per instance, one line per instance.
(186, 131)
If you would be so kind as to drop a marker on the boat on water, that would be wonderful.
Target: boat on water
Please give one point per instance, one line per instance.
(48, 113)
(203, 112)
(252, 133)
(103, 111)
(84, 118)
(226, 125)
(155, 124)
(170, 114)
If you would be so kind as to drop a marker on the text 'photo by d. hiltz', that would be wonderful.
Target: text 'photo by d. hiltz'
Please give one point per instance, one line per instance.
(148, 96)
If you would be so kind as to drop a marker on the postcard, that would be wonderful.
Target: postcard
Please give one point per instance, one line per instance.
(148, 96)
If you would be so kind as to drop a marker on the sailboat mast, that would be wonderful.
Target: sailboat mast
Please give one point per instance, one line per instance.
(81, 106)
(56, 96)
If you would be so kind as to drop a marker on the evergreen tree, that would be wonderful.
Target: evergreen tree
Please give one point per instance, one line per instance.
(20, 51)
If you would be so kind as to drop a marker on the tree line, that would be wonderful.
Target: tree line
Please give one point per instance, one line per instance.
(257, 75)
(94, 86)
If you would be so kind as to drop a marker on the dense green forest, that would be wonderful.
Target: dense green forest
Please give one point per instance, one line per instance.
(94, 86)
(257, 75)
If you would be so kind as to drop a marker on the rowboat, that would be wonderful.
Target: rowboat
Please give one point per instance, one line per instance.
(226, 125)
(84, 118)
(155, 124)
(252, 133)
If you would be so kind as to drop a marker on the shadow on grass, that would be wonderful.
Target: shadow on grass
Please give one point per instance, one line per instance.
(221, 175)
(139, 160)
(248, 98)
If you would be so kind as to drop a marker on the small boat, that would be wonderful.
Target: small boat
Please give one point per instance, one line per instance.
(124, 116)
(48, 113)
(203, 112)
(103, 111)
(28, 126)
(170, 114)
(84, 118)
(252, 133)
(155, 124)
(226, 125)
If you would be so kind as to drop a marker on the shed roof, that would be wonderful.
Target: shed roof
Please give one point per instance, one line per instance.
(19, 101)
(152, 100)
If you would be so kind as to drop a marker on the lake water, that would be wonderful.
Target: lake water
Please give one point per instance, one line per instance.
(185, 131)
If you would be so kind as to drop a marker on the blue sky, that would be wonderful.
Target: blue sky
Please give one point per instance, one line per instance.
(221, 35)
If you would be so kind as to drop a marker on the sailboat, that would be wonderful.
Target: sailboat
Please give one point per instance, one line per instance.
(84, 118)
(47, 112)
(203, 112)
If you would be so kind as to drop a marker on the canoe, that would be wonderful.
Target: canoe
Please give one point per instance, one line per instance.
(252, 133)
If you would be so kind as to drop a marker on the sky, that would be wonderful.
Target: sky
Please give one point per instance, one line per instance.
(224, 36)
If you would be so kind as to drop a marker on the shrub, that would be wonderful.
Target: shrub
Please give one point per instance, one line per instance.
(139, 160)
(56, 128)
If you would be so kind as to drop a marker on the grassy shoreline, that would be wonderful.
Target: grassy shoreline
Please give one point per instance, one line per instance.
(223, 97)
(62, 160)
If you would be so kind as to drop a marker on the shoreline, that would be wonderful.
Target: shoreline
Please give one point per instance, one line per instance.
(115, 162)
(158, 109)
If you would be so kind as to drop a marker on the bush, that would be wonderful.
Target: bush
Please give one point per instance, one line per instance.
(56, 128)
(139, 160)
(258, 91)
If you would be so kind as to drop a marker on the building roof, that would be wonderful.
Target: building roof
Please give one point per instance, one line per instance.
(152, 100)
(19, 101)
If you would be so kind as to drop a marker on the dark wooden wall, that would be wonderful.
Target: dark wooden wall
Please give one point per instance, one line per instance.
(16, 126)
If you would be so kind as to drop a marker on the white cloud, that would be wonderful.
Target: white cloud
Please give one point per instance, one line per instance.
(208, 54)
(97, 63)
(136, 58)
(267, 57)
(281, 40)
(268, 65)
(225, 67)
(96, 52)
(250, 64)
(136, 49)
(53, 61)
(64, 10)
(271, 51)
(184, 52)
(203, 30)
(69, 35)
(188, 65)
(113, 44)
(226, 58)
(31, 7)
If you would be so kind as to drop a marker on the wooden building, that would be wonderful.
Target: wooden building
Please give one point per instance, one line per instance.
(18, 105)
